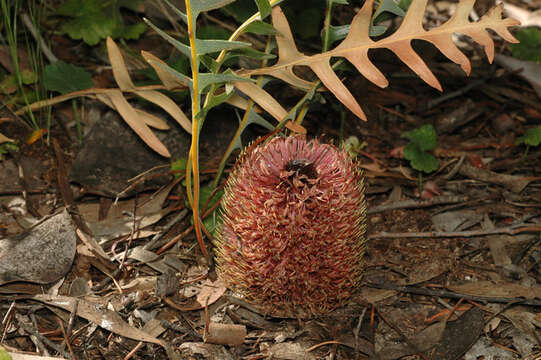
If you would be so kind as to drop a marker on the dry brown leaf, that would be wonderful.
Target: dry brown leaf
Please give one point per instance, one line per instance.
(210, 292)
(170, 81)
(152, 120)
(267, 102)
(98, 314)
(4, 138)
(120, 72)
(124, 82)
(149, 119)
(130, 116)
(168, 105)
(58, 99)
(357, 43)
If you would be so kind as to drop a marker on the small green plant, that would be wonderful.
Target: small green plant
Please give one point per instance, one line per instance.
(4, 355)
(6, 147)
(422, 140)
(531, 138)
(529, 47)
(179, 166)
(14, 36)
(95, 20)
(65, 78)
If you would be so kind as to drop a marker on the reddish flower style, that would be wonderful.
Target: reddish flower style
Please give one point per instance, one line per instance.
(292, 238)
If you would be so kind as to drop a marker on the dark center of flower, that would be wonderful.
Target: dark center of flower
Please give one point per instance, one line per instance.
(302, 167)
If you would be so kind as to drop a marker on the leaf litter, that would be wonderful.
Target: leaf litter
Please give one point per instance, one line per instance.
(119, 306)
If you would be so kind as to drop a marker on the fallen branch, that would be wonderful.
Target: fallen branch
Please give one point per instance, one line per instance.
(509, 230)
(418, 203)
(453, 295)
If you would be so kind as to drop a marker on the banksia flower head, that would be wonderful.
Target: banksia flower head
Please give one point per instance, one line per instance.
(292, 238)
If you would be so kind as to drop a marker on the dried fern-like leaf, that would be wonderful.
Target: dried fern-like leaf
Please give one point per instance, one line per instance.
(357, 43)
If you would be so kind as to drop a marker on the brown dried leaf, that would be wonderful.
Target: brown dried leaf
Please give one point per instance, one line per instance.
(149, 119)
(122, 78)
(210, 292)
(152, 120)
(170, 81)
(168, 105)
(4, 138)
(267, 102)
(129, 115)
(356, 45)
(120, 72)
(98, 314)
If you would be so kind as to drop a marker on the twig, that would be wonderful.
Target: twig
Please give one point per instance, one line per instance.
(512, 182)
(181, 215)
(454, 94)
(453, 295)
(187, 231)
(40, 338)
(356, 332)
(133, 351)
(65, 190)
(509, 230)
(181, 328)
(133, 231)
(415, 203)
(7, 321)
(41, 43)
(66, 338)
(455, 169)
(72, 318)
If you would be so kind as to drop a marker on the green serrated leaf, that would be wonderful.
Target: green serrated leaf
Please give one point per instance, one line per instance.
(66, 78)
(177, 11)
(255, 118)
(337, 33)
(529, 47)
(387, 6)
(198, 6)
(377, 30)
(261, 28)
(209, 62)
(215, 100)
(207, 79)
(185, 80)
(212, 32)
(385, 10)
(183, 48)
(240, 10)
(531, 138)
(248, 53)
(419, 159)
(424, 137)
(264, 8)
(212, 46)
